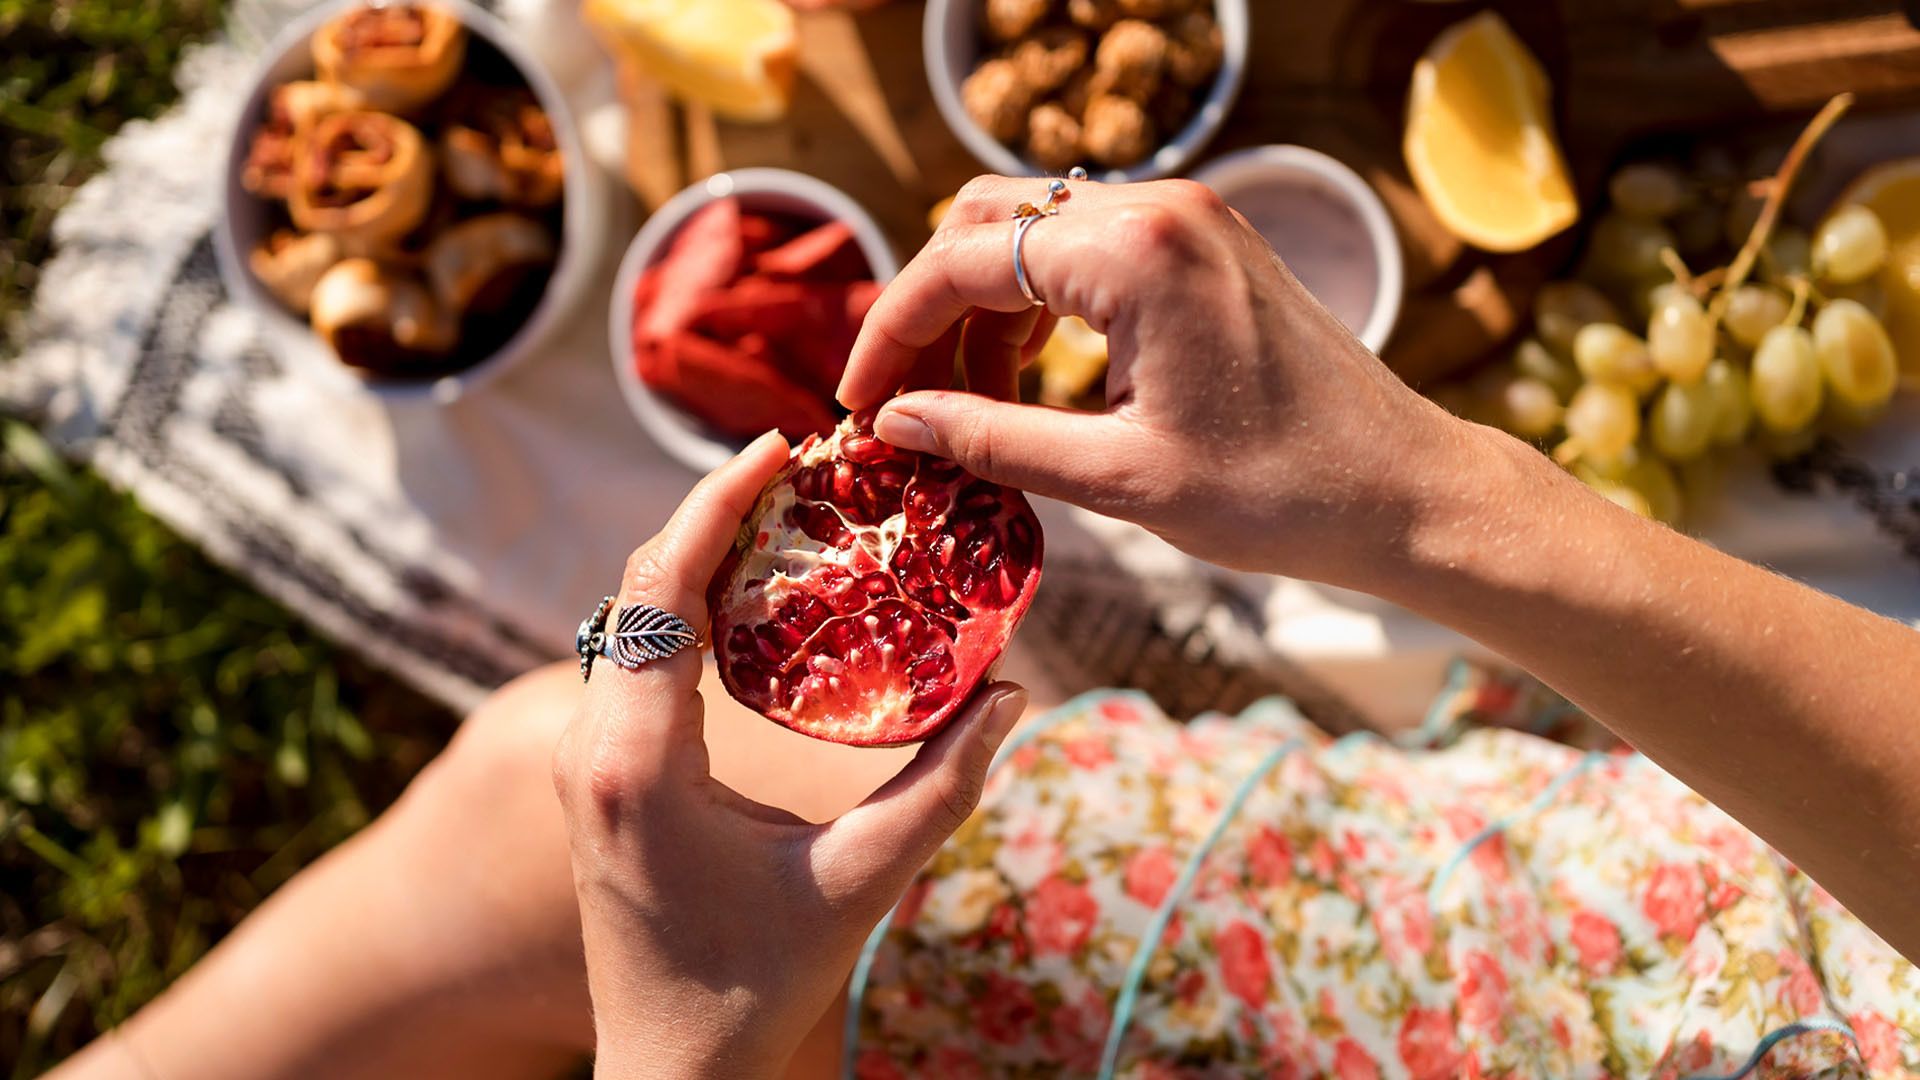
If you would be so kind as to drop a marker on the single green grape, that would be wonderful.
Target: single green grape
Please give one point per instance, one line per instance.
(1785, 381)
(1680, 336)
(1611, 354)
(1620, 495)
(1681, 423)
(1752, 310)
(1623, 248)
(1653, 479)
(1561, 308)
(1732, 402)
(1850, 246)
(1533, 359)
(1529, 407)
(1648, 190)
(1855, 354)
(1603, 419)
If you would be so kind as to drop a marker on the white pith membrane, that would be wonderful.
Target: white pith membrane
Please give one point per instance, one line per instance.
(878, 661)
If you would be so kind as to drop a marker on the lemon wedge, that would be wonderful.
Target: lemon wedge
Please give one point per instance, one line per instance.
(737, 57)
(1479, 139)
(1892, 191)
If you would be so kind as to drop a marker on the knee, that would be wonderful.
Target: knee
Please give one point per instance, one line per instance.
(507, 743)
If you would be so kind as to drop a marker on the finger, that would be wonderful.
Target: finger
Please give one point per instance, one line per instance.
(991, 351)
(993, 198)
(962, 268)
(641, 714)
(883, 842)
(1096, 460)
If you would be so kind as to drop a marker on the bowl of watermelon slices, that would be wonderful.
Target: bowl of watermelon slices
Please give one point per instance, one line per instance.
(736, 306)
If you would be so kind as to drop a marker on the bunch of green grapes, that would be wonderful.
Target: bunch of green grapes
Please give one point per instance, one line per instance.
(1639, 369)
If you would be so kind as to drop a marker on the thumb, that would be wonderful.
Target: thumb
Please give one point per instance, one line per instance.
(1064, 454)
(879, 845)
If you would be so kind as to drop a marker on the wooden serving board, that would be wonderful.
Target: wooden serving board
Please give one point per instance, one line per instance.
(1332, 74)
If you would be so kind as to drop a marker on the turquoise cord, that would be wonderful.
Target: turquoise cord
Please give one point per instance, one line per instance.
(1538, 803)
(1777, 1036)
(1150, 941)
(863, 967)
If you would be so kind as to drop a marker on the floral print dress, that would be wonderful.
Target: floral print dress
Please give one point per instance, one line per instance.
(1242, 896)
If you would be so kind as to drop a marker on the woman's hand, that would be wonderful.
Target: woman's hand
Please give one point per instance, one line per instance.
(718, 930)
(1249, 428)
(1245, 424)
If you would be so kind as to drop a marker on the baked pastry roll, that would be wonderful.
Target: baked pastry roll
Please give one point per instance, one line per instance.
(479, 265)
(364, 177)
(290, 264)
(400, 56)
(498, 144)
(292, 110)
(380, 318)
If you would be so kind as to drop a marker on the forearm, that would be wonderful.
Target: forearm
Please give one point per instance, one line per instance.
(1794, 712)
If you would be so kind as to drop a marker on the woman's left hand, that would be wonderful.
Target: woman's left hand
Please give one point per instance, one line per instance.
(718, 930)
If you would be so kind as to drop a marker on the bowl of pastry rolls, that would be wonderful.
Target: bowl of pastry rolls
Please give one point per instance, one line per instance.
(406, 196)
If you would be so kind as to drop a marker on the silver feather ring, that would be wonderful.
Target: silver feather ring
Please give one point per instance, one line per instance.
(643, 633)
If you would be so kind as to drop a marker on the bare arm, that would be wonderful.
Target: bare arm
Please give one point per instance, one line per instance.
(1247, 427)
(1793, 711)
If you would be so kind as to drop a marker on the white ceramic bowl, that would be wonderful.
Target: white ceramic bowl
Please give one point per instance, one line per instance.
(686, 437)
(1262, 165)
(950, 40)
(245, 218)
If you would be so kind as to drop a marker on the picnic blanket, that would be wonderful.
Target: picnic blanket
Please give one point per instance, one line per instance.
(460, 543)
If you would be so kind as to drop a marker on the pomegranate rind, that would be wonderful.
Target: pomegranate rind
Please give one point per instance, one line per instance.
(871, 590)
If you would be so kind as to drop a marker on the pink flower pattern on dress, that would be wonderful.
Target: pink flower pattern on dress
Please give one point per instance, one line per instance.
(1243, 963)
(1673, 900)
(1627, 928)
(1060, 916)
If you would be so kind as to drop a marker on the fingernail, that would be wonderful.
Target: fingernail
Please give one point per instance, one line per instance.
(904, 430)
(1008, 708)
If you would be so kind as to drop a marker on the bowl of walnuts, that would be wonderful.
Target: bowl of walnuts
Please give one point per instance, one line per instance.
(1130, 89)
(406, 199)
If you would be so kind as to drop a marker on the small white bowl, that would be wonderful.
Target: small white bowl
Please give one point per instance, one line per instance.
(1260, 166)
(950, 41)
(245, 218)
(686, 437)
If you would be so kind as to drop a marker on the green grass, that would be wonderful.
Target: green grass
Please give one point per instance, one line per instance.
(172, 744)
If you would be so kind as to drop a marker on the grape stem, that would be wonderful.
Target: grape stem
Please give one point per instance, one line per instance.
(1763, 224)
(1678, 266)
(1801, 289)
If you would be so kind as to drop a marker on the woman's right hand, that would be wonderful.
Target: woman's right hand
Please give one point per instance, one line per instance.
(1244, 425)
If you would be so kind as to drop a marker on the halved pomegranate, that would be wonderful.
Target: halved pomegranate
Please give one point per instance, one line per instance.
(871, 589)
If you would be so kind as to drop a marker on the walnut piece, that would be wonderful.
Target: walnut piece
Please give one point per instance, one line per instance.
(1116, 131)
(1079, 90)
(1093, 14)
(1133, 57)
(1010, 20)
(1194, 53)
(1048, 59)
(997, 99)
(1053, 137)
